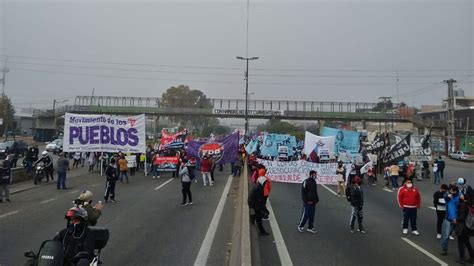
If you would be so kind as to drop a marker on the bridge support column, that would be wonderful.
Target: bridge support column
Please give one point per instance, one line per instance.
(156, 123)
(364, 124)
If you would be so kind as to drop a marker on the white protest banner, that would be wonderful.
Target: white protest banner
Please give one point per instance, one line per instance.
(297, 171)
(364, 169)
(131, 161)
(104, 133)
(313, 143)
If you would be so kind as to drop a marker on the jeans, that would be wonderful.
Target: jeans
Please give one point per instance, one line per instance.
(409, 214)
(186, 190)
(205, 176)
(437, 177)
(61, 183)
(394, 179)
(123, 174)
(445, 233)
(308, 214)
(5, 188)
(357, 214)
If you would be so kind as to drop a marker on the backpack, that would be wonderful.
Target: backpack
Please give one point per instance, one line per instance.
(191, 173)
(470, 219)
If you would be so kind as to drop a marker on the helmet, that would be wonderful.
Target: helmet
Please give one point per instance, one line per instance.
(44, 153)
(461, 181)
(86, 195)
(76, 212)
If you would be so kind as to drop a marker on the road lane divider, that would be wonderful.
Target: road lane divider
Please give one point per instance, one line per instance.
(282, 250)
(388, 190)
(330, 190)
(206, 245)
(47, 201)
(164, 184)
(422, 250)
(8, 214)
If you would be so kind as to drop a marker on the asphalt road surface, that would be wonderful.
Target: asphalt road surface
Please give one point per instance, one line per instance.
(147, 225)
(333, 244)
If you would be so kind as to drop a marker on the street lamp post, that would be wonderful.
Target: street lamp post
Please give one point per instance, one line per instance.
(247, 59)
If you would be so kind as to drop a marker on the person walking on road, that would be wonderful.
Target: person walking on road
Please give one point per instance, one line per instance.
(266, 191)
(63, 167)
(452, 200)
(206, 165)
(77, 159)
(186, 180)
(256, 202)
(437, 173)
(440, 204)
(341, 179)
(5, 180)
(394, 172)
(123, 167)
(356, 198)
(409, 200)
(463, 230)
(309, 193)
(441, 166)
(111, 175)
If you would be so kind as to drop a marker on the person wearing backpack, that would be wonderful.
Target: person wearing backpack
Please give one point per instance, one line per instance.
(184, 174)
(464, 228)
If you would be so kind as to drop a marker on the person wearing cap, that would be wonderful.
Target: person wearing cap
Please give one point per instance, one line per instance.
(63, 166)
(409, 200)
(93, 212)
(464, 189)
(356, 198)
(257, 203)
(5, 180)
(452, 200)
(309, 193)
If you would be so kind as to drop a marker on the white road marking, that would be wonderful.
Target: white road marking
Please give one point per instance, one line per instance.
(431, 256)
(388, 190)
(283, 253)
(48, 200)
(330, 190)
(206, 245)
(164, 184)
(433, 208)
(246, 251)
(8, 214)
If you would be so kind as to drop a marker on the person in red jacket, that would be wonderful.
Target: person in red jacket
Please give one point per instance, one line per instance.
(409, 200)
(266, 190)
(206, 165)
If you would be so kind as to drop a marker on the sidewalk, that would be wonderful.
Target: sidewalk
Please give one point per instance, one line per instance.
(27, 185)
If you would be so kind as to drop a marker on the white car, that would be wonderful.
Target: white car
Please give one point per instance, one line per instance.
(55, 145)
(462, 156)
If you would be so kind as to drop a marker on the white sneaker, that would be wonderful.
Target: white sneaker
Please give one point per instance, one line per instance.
(204, 184)
(451, 238)
(415, 233)
(212, 184)
(405, 231)
(154, 177)
(311, 230)
(301, 229)
(158, 176)
(190, 203)
(438, 236)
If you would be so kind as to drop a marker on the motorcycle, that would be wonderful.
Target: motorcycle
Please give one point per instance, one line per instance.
(40, 173)
(50, 252)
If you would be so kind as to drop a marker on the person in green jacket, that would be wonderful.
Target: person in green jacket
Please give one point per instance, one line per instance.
(93, 212)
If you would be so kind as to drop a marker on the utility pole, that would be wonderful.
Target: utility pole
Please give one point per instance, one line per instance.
(4, 77)
(398, 91)
(451, 130)
(247, 59)
(467, 132)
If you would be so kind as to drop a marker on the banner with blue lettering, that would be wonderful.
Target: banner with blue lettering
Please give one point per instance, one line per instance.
(346, 141)
(104, 133)
(271, 142)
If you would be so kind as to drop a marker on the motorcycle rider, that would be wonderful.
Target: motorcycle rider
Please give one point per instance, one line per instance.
(77, 239)
(47, 161)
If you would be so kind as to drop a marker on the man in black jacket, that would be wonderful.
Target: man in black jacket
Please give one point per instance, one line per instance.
(111, 175)
(356, 198)
(440, 204)
(309, 193)
(257, 203)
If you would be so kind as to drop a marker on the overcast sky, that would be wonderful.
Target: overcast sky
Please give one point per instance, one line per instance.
(311, 50)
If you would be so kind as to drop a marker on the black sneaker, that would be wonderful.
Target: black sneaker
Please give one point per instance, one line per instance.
(8, 200)
(1, 201)
(264, 233)
(444, 253)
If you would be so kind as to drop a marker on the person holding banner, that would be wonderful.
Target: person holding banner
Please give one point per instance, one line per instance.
(309, 193)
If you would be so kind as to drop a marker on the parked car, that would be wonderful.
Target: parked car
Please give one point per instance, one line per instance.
(16, 146)
(55, 146)
(462, 156)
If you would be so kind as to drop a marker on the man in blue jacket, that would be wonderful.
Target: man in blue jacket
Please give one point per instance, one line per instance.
(452, 201)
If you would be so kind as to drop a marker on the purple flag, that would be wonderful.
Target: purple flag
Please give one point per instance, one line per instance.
(222, 150)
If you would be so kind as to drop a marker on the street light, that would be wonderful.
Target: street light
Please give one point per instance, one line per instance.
(247, 59)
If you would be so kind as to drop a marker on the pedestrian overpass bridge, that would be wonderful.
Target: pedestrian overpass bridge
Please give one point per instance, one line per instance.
(235, 108)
